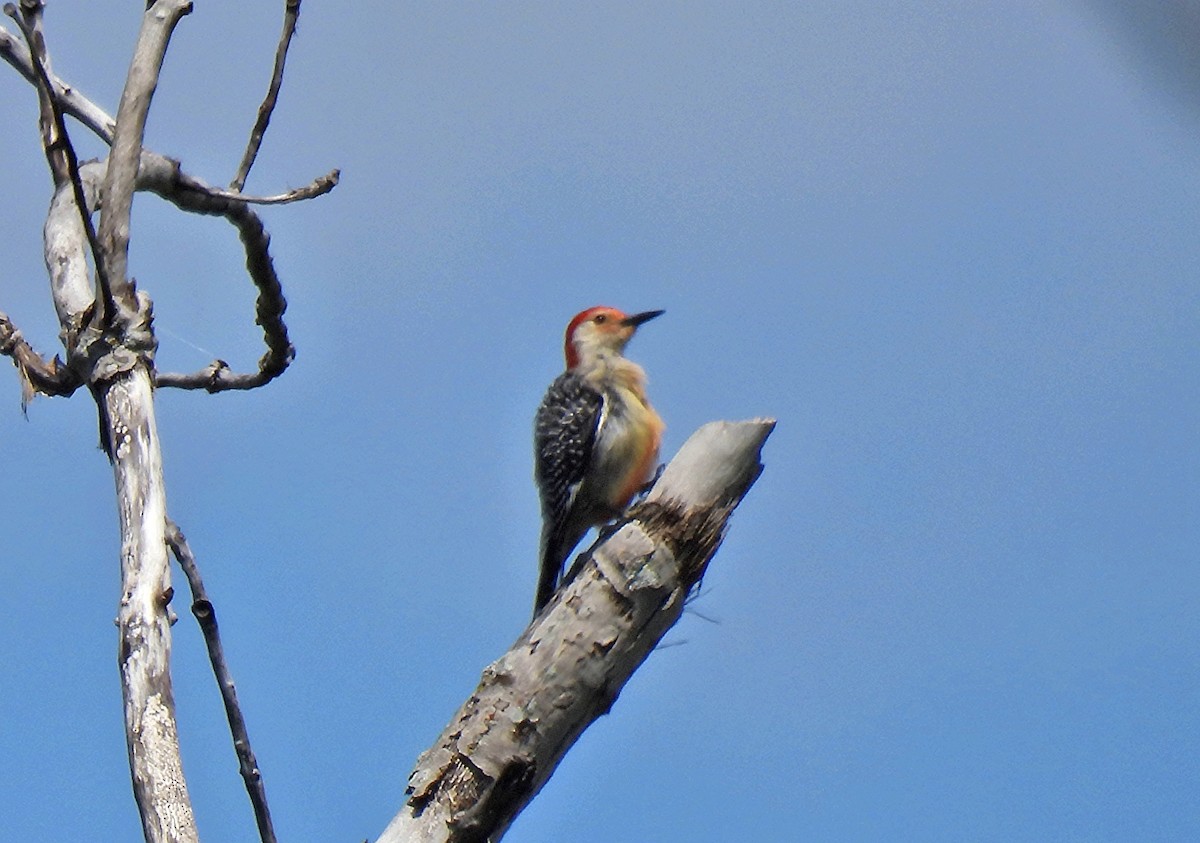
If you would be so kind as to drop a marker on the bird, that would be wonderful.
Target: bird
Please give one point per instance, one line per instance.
(596, 437)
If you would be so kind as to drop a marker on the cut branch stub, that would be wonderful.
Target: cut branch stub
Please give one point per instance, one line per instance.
(49, 377)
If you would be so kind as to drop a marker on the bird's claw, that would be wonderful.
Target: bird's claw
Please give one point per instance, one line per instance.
(658, 472)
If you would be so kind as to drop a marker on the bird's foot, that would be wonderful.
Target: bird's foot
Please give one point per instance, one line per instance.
(649, 484)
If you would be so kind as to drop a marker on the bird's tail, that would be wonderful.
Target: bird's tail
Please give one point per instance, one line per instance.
(551, 559)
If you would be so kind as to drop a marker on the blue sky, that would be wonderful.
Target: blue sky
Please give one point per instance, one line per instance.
(951, 247)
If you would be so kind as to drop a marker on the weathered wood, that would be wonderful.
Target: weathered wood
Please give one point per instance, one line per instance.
(158, 23)
(566, 670)
(121, 381)
(106, 329)
(144, 654)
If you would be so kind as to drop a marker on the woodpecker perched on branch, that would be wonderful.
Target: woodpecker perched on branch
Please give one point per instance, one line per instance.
(596, 437)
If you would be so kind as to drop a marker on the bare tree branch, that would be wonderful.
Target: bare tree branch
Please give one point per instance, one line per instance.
(116, 348)
(106, 327)
(120, 178)
(29, 21)
(71, 102)
(163, 176)
(166, 178)
(60, 154)
(144, 653)
(66, 252)
(206, 616)
(114, 360)
(317, 187)
(570, 664)
(290, 15)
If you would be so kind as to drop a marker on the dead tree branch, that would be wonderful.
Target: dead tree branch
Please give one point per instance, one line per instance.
(70, 100)
(206, 617)
(54, 143)
(162, 176)
(571, 663)
(144, 654)
(317, 187)
(166, 178)
(120, 178)
(113, 344)
(65, 259)
(60, 153)
(291, 14)
(106, 325)
(49, 377)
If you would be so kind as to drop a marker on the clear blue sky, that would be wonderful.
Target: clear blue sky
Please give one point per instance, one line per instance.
(951, 247)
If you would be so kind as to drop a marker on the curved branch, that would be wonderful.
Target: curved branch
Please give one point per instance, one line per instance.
(163, 176)
(570, 664)
(317, 187)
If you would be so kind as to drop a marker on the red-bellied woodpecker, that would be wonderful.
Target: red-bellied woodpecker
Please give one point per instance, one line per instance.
(595, 436)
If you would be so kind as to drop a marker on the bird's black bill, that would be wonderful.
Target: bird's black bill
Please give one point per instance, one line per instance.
(638, 318)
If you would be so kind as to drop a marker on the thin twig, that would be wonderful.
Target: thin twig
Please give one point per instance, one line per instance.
(290, 15)
(206, 617)
(317, 187)
(29, 22)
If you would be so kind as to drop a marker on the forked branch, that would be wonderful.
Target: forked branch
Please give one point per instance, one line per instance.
(166, 178)
(107, 329)
(70, 100)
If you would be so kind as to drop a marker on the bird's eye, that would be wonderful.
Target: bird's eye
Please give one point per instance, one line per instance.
(601, 318)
